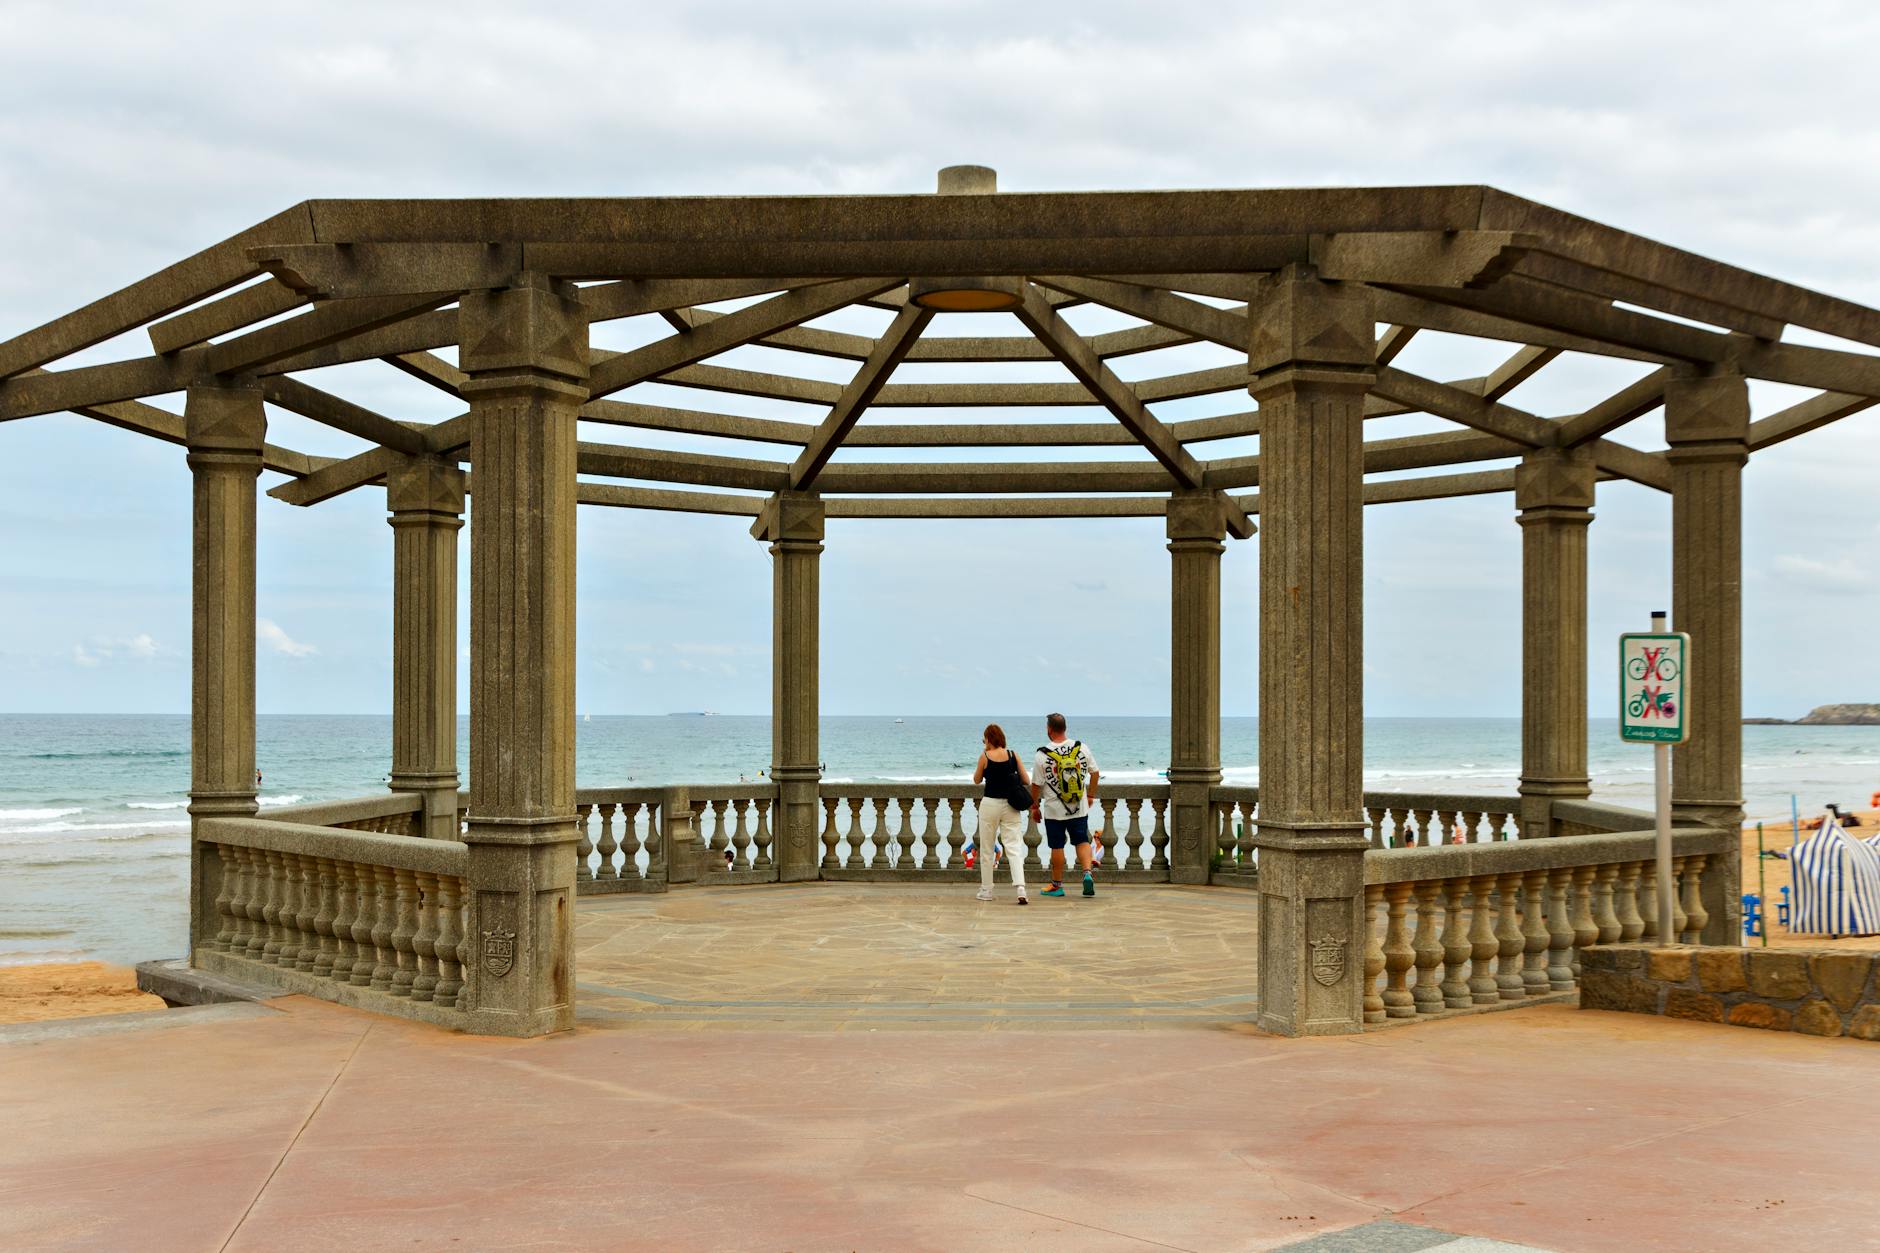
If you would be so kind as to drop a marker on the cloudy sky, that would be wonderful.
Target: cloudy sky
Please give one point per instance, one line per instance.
(127, 140)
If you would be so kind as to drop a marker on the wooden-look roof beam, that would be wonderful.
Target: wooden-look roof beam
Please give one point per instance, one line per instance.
(889, 351)
(343, 415)
(1810, 414)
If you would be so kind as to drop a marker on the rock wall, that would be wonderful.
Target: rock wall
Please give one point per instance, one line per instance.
(1816, 991)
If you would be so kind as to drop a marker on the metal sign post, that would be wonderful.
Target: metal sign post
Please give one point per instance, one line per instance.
(1653, 669)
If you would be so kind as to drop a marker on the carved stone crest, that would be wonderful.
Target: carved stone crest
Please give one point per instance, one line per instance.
(499, 951)
(1328, 960)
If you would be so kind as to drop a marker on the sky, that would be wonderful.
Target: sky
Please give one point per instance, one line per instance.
(132, 138)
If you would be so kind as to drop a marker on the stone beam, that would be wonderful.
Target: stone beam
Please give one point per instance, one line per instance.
(1541, 305)
(1465, 407)
(1527, 361)
(778, 313)
(323, 324)
(1562, 272)
(1203, 322)
(174, 287)
(1799, 419)
(343, 415)
(1635, 401)
(251, 304)
(1414, 312)
(1424, 258)
(889, 350)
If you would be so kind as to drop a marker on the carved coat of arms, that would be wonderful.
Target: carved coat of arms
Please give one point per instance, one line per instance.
(1328, 960)
(499, 951)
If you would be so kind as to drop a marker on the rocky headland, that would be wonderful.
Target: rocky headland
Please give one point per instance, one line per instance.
(1826, 716)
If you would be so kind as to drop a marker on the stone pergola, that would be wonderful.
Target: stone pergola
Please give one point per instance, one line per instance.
(1299, 281)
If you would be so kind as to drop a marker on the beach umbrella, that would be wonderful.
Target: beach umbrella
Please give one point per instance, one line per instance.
(1837, 884)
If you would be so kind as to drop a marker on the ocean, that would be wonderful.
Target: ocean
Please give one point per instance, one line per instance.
(94, 859)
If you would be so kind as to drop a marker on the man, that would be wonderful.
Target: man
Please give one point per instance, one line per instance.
(1063, 781)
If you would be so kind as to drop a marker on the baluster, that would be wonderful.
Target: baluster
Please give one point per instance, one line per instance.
(655, 842)
(224, 898)
(1240, 814)
(1429, 832)
(1498, 828)
(384, 921)
(1034, 839)
(261, 880)
(741, 839)
(1484, 948)
(1631, 925)
(287, 913)
(1456, 947)
(1377, 816)
(1399, 834)
(1113, 849)
(1508, 982)
(271, 906)
(720, 838)
(1227, 838)
(1648, 900)
(235, 877)
(764, 837)
(1471, 822)
(1534, 930)
(608, 845)
(1604, 917)
(1427, 949)
(924, 823)
(366, 894)
(584, 847)
(830, 837)
(1399, 957)
(449, 936)
(856, 856)
(1373, 955)
(1136, 845)
(345, 911)
(1580, 910)
(1680, 917)
(904, 853)
(424, 939)
(1560, 976)
(306, 934)
(1694, 912)
(1158, 835)
(1446, 828)
(326, 944)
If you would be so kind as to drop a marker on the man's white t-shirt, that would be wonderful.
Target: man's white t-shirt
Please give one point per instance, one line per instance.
(1044, 772)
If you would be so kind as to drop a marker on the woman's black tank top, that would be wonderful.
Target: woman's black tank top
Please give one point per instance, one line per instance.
(1001, 777)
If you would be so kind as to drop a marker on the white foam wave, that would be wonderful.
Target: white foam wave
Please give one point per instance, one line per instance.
(55, 828)
(279, 800)
(156, 804)
(36, 815)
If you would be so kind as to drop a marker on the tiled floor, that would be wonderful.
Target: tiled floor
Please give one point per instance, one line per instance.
(871, 957)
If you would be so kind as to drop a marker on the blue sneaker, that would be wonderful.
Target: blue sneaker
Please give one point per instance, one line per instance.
(1056, 889)
(1090, 887)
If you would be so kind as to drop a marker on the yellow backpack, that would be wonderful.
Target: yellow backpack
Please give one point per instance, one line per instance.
(1067, 780)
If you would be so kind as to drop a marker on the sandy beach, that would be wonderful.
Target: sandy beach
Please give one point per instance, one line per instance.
(1774, 873)
(70, 990)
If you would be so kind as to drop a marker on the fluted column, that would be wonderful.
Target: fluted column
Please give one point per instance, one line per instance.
(425, 496)
(1707, 426)
(793, 524)
(225, 427)
(1312, 359)
(1197, 530)
(1554, 494)
(525, 352)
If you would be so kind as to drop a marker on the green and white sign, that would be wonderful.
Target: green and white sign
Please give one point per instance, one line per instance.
(1653, 667)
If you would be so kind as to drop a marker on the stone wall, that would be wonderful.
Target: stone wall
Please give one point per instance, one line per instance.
(1817, 991)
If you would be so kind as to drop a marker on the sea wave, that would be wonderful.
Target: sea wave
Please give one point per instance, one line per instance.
(36, 815)
(279, 800)
(156, 804)
(109, 754)
(67, 828)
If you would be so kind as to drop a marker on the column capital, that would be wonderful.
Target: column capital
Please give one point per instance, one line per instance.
(228, 419)
(426, 485)
(1555, 479)
(535, 329)
(1706, 407)
(1309, 329)
(1197, 517)
(791, 519)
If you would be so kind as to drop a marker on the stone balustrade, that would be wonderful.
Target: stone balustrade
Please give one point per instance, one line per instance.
(1236, 816)
(1577, 818)
(389, 813)
(1420, 819)
(622, 844)
(372, 920)
(1457, 927)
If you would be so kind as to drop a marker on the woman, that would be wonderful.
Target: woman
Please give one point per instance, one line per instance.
(1001, 818)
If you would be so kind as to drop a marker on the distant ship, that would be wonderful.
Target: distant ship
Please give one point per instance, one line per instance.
(900, 722)
(692, 713)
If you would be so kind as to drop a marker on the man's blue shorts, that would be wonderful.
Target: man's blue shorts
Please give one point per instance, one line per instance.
(1057, 830)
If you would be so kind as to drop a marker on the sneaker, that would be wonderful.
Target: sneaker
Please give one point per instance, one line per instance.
(1090, 887)
(1022, 900)
(985, 894)
(1056, 889)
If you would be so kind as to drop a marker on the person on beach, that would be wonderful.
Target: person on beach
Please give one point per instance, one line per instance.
(1001, 811)
(1064, 780)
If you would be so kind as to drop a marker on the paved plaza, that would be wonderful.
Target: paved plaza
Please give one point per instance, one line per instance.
(707, 1100)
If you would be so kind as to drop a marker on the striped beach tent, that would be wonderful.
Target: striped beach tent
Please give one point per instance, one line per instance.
(1837, 884)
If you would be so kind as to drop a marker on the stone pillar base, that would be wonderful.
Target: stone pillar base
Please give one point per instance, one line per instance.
(1537, 802)
(1191, 826)
(519, 980)
(438, 819)
(798, 824)
(1312, 937)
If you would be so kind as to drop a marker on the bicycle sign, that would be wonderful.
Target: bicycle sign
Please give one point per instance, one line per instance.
(1652, 671)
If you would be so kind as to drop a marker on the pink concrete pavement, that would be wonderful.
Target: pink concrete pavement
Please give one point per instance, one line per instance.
(304, 1126)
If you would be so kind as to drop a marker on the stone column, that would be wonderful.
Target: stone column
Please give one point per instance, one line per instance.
(1554, 494)
(224, 427)
(425, 496)
(793, 524)
(1197, 530)
(1312, 361)
(525, 352)
(1707, 426)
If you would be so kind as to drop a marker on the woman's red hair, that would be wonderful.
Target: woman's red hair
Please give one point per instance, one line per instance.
(995, 735)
